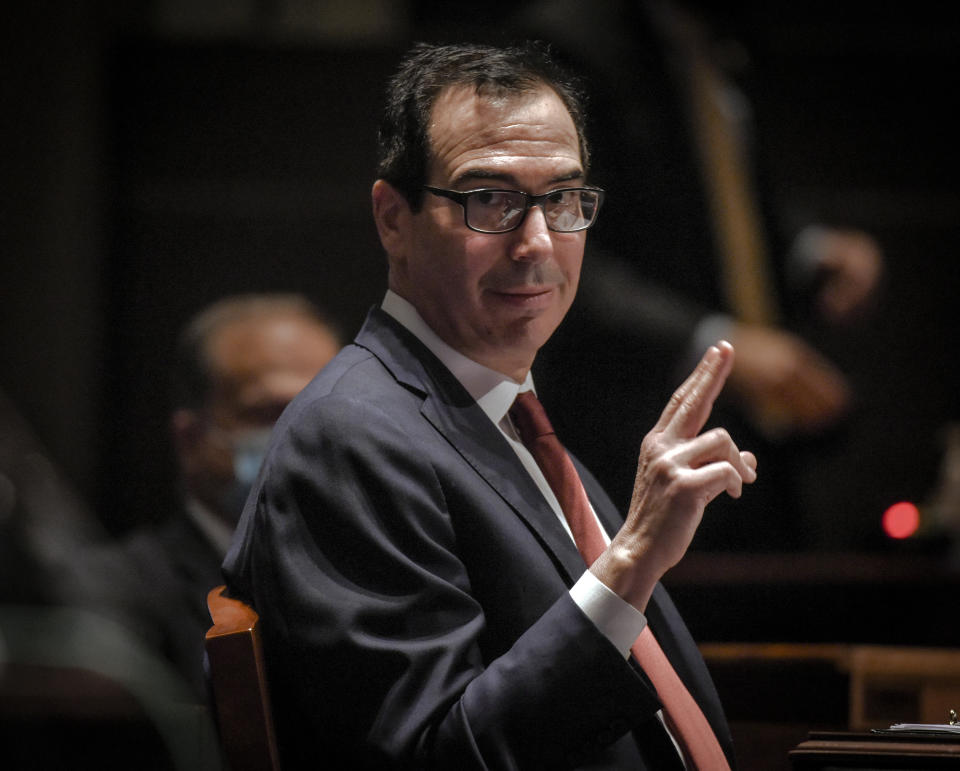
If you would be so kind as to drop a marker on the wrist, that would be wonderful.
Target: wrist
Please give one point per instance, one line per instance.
(624, 571)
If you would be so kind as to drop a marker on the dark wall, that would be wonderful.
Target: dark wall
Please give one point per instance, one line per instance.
(51, 227)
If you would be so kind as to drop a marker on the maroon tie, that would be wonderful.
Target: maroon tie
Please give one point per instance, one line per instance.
(685, 719)
(537, 434)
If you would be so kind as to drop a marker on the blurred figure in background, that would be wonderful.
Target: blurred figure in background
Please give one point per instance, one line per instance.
(79, 687)
(679, 147)
(239, 362)
(53, 548)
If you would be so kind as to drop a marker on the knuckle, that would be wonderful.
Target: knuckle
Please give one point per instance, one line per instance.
(653, 445)
(720, 435)
(676, 399)
(664, 470)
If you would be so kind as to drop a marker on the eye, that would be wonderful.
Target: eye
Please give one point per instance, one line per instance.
(489, 197)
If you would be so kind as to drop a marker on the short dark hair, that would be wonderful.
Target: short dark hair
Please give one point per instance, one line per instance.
(191, 375)
(428, 69)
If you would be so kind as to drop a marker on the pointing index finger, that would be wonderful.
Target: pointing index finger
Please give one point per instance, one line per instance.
(690, 406)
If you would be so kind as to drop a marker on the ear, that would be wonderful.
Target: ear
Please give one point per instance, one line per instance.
(392, 214)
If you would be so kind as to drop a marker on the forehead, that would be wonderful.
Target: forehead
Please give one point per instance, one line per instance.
(247, 347)
(480, 136)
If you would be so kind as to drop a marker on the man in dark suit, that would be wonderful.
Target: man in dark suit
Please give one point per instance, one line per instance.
(423, 600)
(239, 362)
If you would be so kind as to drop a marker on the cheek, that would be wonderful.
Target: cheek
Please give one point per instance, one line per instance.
(460, 269)
(570, 260)
(483, 253)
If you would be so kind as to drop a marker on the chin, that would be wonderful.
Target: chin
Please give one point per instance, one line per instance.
(529, 334)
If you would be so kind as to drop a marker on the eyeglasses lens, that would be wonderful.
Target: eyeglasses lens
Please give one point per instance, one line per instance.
(497, 211)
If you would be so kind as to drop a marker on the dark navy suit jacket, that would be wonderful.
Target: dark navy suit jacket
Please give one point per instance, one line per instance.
(413, 587)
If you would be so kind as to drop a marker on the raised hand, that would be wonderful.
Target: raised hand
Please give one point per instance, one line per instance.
(679, 472)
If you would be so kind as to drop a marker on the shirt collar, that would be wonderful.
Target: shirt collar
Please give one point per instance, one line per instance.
(493, 391)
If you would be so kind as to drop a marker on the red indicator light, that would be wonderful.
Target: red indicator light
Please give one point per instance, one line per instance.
(901, 520)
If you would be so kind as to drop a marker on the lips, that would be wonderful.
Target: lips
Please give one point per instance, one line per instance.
(526, 297)
(523, 291)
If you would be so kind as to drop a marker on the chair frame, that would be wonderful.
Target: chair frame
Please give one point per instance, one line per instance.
(238, 680)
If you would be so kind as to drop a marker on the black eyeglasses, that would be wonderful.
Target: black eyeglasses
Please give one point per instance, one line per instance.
(488, 210)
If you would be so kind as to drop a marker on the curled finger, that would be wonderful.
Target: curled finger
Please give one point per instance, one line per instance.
(716, 446)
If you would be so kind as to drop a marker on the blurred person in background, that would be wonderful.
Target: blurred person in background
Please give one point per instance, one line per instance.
(238, 363)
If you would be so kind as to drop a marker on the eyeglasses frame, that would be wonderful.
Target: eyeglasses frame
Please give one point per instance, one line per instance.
(461, 196)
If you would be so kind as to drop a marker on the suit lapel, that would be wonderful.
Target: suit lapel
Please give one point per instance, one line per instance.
(457, 417)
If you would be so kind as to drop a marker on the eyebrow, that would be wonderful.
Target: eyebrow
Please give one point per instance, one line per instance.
(509, 179)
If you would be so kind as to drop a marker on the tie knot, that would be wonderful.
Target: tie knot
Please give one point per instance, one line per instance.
(529, 417)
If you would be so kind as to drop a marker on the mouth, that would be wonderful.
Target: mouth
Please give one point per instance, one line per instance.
(524, 296)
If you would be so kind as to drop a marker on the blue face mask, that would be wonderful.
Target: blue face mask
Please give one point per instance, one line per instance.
(249, 448)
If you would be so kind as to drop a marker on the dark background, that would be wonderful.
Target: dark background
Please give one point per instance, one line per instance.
(158, 155)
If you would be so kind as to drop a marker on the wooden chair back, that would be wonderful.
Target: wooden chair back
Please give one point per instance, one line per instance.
(238, 681)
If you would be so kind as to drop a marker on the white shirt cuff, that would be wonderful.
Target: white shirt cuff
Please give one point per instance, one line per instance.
(617, 619)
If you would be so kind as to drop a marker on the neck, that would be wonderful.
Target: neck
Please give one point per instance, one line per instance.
(516, 367)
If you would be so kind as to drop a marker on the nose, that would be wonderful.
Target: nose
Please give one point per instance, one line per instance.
(532, 240)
